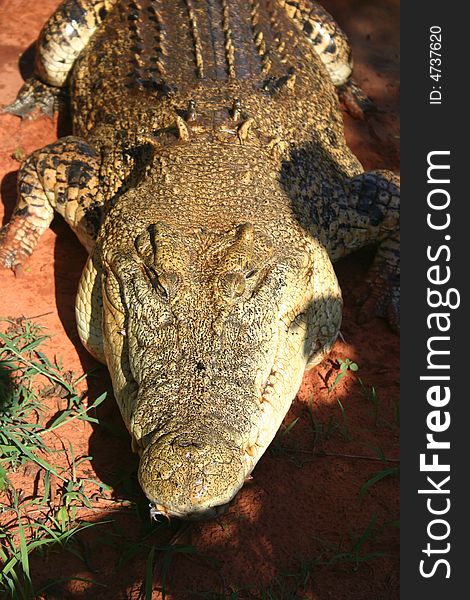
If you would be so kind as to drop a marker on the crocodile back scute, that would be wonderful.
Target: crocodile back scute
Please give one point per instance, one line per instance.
(152, 57)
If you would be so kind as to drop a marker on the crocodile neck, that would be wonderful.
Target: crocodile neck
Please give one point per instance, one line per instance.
(195, 186)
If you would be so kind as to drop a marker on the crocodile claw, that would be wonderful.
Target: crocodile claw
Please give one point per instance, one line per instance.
(156, 511)
(34, 94)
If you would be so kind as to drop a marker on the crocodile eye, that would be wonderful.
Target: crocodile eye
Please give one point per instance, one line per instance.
(232, 285)
(156, 281)
(165, 284)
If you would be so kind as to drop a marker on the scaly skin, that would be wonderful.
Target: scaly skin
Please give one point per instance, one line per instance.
(209, 177)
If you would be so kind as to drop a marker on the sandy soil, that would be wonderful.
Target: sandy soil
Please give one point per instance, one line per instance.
(302, 507)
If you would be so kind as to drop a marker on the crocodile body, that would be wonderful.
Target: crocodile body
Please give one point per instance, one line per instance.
(209, 178)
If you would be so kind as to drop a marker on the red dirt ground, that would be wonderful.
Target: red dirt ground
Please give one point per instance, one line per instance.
(303, 503)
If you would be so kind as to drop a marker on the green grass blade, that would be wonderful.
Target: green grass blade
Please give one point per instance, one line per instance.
(378, 477)
(149, 568)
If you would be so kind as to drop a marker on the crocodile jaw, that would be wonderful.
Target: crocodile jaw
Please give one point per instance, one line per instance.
(195, 474)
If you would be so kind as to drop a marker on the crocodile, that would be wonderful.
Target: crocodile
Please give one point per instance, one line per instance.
(209, 178)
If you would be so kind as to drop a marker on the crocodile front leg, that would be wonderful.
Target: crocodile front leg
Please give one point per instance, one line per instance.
(367, 212)
(350, 214)
(60, 42)
(62, 176)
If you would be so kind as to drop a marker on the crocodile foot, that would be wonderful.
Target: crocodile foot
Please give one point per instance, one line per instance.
(17, 242)
(381, 299)
(355, 101)
(35, 94)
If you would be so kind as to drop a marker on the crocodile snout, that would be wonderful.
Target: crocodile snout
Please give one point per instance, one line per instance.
(191, 476)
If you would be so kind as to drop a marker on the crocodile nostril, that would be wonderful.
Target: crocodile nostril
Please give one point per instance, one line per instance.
(187, 442)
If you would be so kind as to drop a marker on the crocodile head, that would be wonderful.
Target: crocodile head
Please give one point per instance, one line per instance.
(206, 338)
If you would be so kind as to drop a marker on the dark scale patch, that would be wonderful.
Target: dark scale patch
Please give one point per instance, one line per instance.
(55, 160)
(61, 195)
(367, 201)
(21, 212)
(79, 174)
(331, 48)
(93, 217)
(166, 89)
(109, 119)
(269, 84)
(25, 188)
(282, 81)
(308, 28)
(151, 70)
(75, 12)
(376, 215)
(86, 149)
(314, 216)
(150, 84)
(275, 84)
(328, 213)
